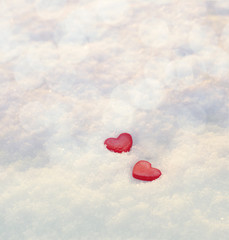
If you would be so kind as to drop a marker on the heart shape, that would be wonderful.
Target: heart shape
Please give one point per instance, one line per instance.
(143, 171)
(122, 143)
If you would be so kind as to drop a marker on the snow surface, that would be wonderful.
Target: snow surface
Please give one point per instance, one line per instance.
(75, 72)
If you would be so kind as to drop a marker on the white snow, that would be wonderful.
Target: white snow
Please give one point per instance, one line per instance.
(74, 73)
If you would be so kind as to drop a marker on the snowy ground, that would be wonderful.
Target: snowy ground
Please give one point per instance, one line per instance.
(73, 73)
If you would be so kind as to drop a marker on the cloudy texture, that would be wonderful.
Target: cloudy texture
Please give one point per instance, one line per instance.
(75, 72)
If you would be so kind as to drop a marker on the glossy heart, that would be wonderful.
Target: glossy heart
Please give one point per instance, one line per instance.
(122, 143)
(143, 171)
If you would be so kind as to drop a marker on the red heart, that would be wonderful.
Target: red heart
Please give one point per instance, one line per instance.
(143, 171)
(122, 143)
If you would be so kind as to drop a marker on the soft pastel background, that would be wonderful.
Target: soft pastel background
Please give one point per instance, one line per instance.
(73, 73)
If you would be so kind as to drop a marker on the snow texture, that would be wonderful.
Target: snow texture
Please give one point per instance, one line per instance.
(75, 72)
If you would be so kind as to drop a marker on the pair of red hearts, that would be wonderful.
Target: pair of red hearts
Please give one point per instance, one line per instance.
(142, 170)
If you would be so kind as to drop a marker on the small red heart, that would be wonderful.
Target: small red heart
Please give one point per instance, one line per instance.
(122, 143)
(143, 171)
